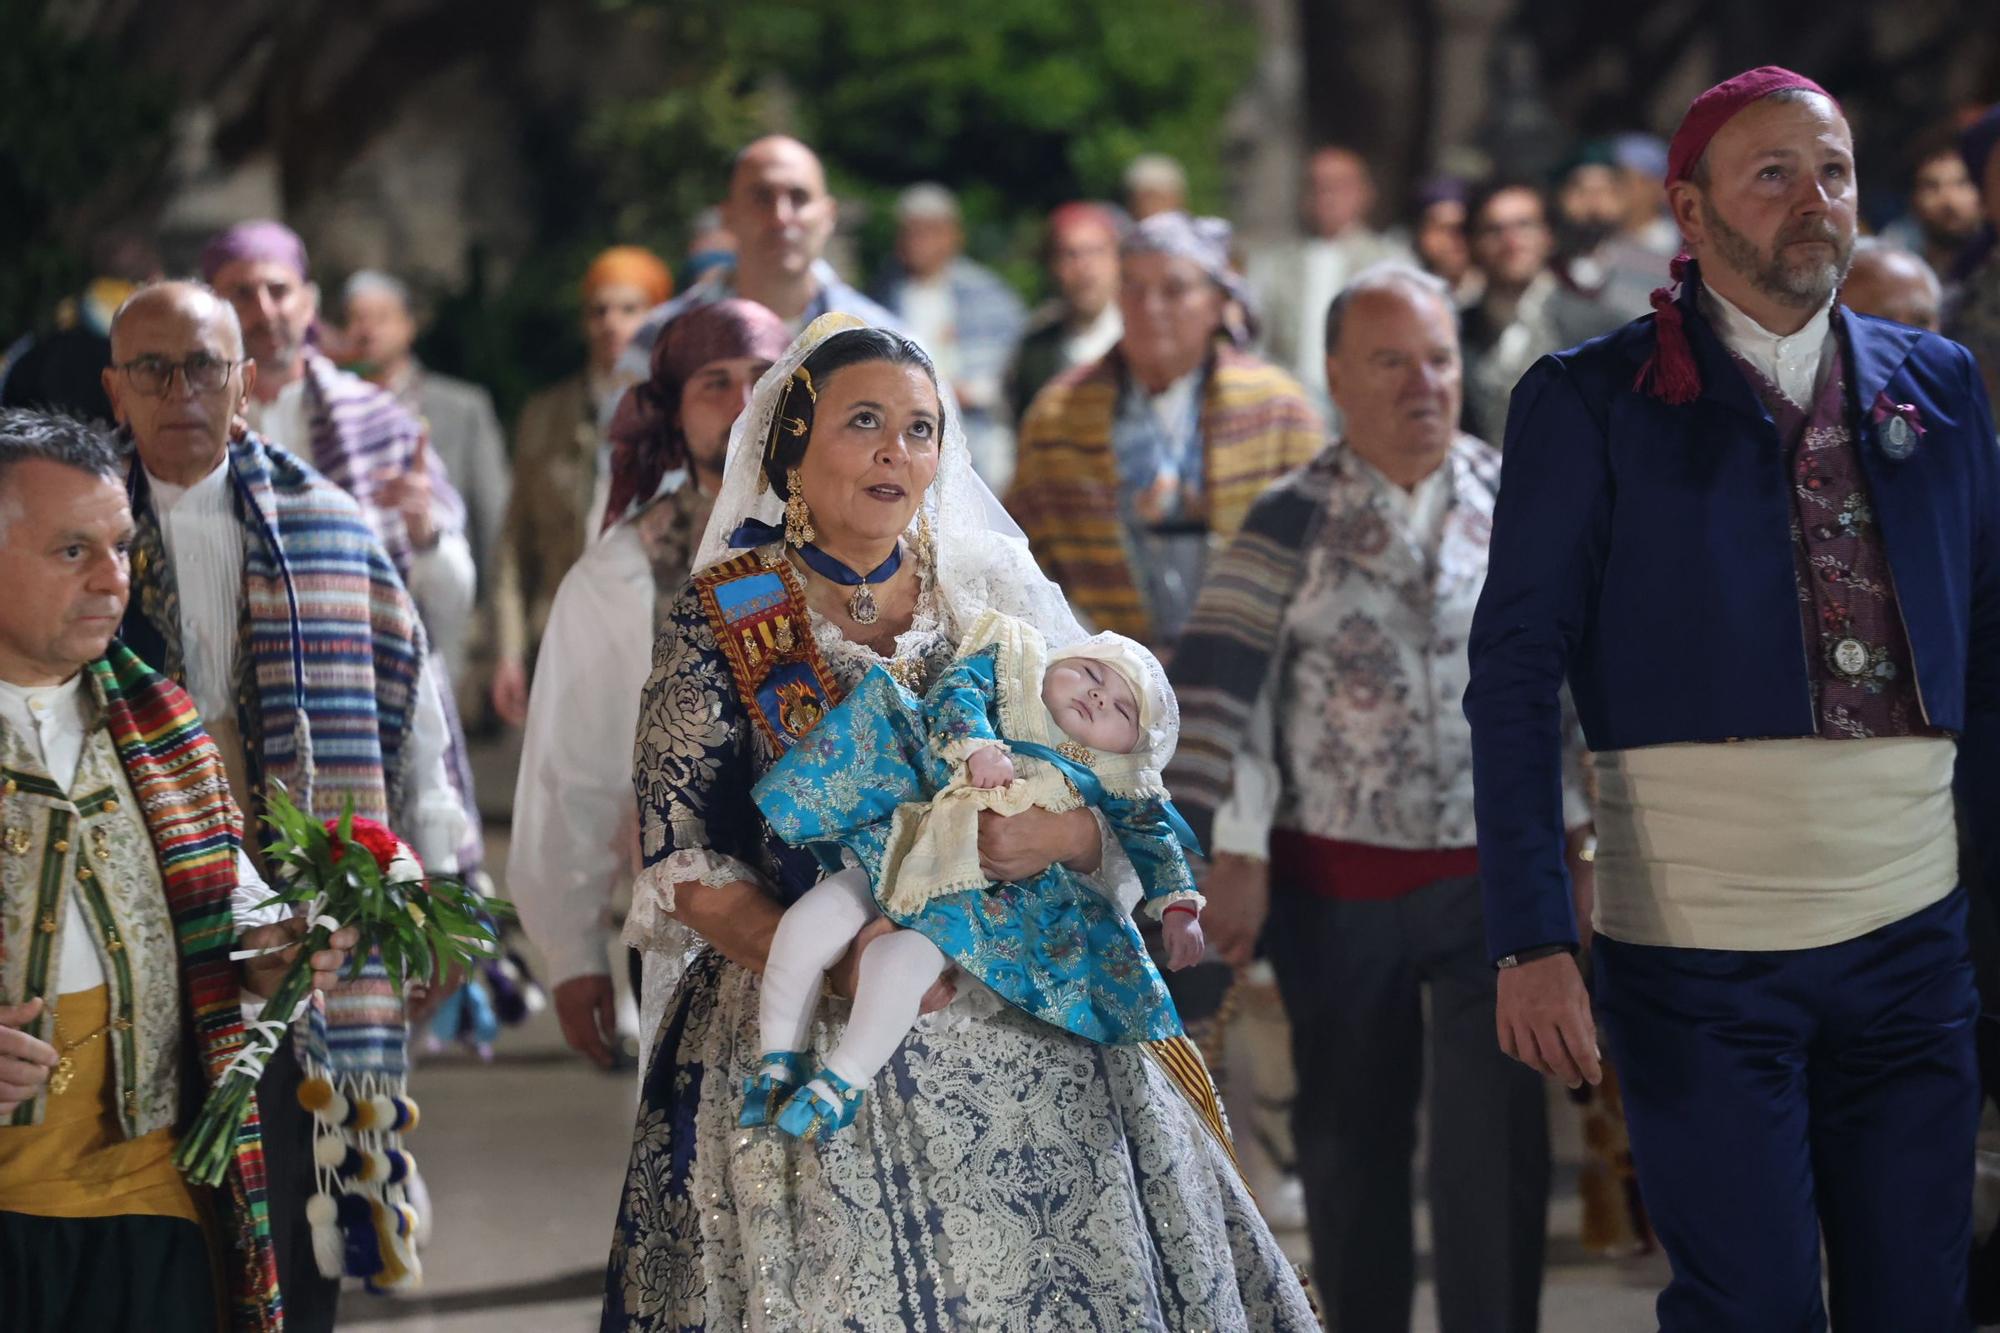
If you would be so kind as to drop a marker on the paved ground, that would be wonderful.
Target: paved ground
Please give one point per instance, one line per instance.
(525, 1157)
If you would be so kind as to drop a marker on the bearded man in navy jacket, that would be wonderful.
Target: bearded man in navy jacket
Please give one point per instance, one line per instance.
(1759, 537)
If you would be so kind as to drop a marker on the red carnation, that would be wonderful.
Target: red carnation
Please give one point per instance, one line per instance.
(377, 838)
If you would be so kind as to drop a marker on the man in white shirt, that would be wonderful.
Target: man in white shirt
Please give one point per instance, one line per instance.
(575, 832)
(108, 979)
(1342, 607)
(1295, 281)
(257, 582)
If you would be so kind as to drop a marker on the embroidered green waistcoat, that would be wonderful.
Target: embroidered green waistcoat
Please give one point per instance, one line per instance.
(94, 845)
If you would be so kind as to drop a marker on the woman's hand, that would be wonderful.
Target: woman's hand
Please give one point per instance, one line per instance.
(1013, 848)
(843, 975)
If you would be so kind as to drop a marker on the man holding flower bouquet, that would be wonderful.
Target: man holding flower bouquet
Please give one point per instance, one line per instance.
(124, 889)
(258, 584)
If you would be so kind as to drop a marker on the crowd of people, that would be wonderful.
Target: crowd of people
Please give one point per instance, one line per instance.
(1431, 559)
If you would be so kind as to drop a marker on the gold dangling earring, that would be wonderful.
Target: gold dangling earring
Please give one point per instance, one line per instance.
(798, 518)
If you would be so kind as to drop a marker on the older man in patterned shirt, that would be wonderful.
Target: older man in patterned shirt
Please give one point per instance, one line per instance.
(1343, 606)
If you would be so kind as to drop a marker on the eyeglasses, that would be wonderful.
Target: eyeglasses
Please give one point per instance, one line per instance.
(155, 374)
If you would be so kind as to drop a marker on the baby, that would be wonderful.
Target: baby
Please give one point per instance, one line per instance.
(898, 784)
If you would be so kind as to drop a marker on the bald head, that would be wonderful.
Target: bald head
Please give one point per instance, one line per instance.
(778, 210)
(178, 377)
(193, 301)
(1892, 283)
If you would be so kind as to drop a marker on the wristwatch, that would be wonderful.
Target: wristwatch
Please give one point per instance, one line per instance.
(1533, 955)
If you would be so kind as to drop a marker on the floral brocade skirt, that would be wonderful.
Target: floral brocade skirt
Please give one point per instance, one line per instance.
(1002, 1175)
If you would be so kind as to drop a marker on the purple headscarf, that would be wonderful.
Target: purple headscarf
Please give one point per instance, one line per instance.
(263, 239)
(1205, 242)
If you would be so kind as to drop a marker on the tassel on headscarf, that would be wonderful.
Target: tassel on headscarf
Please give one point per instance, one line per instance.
(1669, 373)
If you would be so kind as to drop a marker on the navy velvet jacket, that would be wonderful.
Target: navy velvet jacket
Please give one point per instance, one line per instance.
(1642, 551)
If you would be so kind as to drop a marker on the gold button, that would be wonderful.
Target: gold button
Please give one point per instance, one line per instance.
(123, 1025)
(83, 873)
(48, 925)
(62, 844)
(114, 944)
(111, 807)
(11, 787)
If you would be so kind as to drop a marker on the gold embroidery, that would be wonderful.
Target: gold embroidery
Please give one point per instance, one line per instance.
(1072, 750)
(16, 840)
(784, 635)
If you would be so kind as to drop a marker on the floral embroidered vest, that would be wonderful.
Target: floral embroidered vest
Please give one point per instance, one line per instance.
(94, 845)
(1857, 650)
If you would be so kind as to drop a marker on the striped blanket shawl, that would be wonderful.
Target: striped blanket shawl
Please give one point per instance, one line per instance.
(360, 437)
(177, 779)
(1256, 425)
(333, 648)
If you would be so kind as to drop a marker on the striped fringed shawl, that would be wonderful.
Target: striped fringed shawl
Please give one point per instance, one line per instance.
(361, 436)
(334, 650)
(1224, 655)
(177, 779)
(332, 645)
(1256, 425)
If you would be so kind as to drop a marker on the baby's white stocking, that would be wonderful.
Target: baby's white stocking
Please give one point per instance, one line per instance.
(812, 934)
(895, 972)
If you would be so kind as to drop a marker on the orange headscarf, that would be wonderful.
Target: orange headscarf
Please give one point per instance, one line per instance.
(630, 266)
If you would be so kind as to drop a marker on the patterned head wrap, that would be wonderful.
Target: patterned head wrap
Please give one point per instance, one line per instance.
(263, 239)
(1205, 242)
(1670, 373)
(629, 266)
(646, 440)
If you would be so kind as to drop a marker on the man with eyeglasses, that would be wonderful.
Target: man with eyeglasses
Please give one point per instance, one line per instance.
(1525, 311)
(258, 584)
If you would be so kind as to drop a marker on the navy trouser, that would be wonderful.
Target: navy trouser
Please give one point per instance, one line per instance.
(1776, 1096)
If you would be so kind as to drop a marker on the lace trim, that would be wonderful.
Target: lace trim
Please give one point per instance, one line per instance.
(1157, 908)
(647, 924)
(924, 638)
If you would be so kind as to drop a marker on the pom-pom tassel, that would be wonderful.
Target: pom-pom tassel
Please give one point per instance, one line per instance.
(362, 1242)
(329, 1251)
(1670, 374)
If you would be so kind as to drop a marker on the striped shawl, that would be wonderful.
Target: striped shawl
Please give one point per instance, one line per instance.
(177, 779)
(1224, 655)
(360, 437)
(333, 648)
(1256, 425)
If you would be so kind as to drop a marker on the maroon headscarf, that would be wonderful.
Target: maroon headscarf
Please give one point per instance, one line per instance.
(1670, 373)
(646, 440)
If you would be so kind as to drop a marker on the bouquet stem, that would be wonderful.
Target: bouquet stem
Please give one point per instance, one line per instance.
(210, 1144)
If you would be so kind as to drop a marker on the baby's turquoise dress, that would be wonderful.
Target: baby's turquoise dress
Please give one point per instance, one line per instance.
(1052, 946)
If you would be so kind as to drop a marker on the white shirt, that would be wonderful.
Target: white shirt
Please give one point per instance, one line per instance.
(1095, 339)
(283, 420)
(204, 542)
(1791, 361)
(205, 545)
(573, 801)
(52, 720)
(931, 316)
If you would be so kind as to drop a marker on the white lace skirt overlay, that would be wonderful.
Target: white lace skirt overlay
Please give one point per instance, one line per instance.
(1002, 1175)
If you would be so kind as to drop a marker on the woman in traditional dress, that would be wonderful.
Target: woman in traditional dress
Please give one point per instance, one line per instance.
(1004, 1173)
